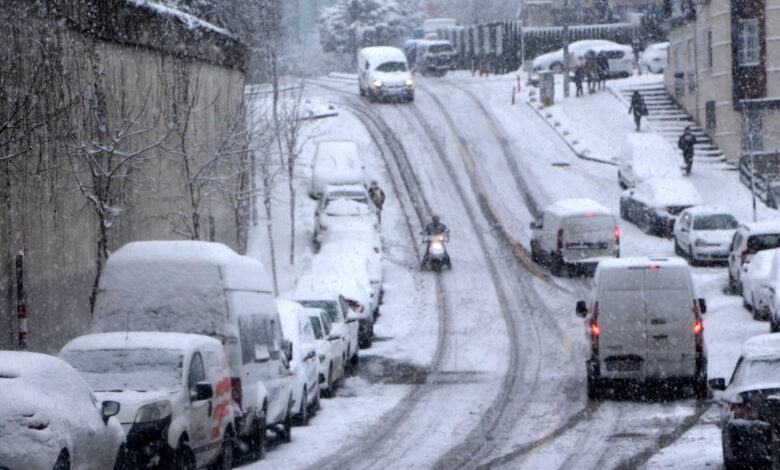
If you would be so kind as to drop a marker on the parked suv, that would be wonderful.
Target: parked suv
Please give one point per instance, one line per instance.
(434, 57)
(174, 391)
(644, 324)
(748, 240)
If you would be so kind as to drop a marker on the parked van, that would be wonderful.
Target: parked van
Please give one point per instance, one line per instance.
(206, 288)
(644, 323)
(384, 73)
(174, 392)
(574, 235)
(336, 162)
(644, 156)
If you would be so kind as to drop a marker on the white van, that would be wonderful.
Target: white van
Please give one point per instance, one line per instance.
(336, 162)
(574, 235)
(644, 156)
(643, 323)
(207, 288)
(384, 73)
(174, 392)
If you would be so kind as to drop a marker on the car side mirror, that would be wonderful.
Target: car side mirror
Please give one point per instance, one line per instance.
(717, 384)
(702, 306)
(334, 337)
(108, 409)
(261, 353)
(581, 309)
(203, 391)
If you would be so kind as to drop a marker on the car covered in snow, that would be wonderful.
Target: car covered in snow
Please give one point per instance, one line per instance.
(383, 73)
(654, 204)
(758, 279)
(553, 61)
(644, 325)
(335, 162)
(51, 419)
(749, 239)
(343, 203)
(654, 58)
(174, 392)
(298, 330)
(206, 288)
(573, 235)
(644, 156)
(620, 59)
(329, 350)
(703, 234)
(311, 294)
(746, 436)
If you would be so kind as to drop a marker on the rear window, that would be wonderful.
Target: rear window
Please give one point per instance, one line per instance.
(634, 278)
(613, 54)
(756, 371)
(715, 222)
(603, 223)
(621, 279)
(768, 241)
(667, 278)
(440, 48)
(391, 67)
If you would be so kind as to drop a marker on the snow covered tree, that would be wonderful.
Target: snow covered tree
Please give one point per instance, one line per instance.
(352, 24)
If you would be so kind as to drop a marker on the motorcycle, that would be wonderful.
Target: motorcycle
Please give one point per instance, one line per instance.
(436, 257)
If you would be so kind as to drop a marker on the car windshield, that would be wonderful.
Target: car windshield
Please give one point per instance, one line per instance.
(391, 67)
(440, 48)
(128, 369)
(331, 308)
(756, 371)
(715, 222)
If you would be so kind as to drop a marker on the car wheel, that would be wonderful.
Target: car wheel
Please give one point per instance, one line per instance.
(184, 458)
(621, 183)
(317, 405)
(354, 362)
(286, 433)
(257, 439)
(691, 257)
(677, 249)
(535, 256)
(732, 283)
(63, 461)
(328, 392)
(773, 326)
(728, 458)
(700, 387)
(556, 266)
(302, 417)
(753, 310)
(124, 459)
(594, 387)
(225, 459)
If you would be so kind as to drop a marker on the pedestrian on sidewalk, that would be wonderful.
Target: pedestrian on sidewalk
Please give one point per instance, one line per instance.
(637, 107)
(603, 63)
(377, 196)
(579, 76)
(591, 71)
(685, 143)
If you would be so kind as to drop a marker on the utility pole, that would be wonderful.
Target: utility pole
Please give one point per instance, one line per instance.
(565, 48)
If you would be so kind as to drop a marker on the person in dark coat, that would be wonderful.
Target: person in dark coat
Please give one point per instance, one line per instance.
(579, 76)
(638, 108)
(603, 63)
(685, 143)
(591, 71)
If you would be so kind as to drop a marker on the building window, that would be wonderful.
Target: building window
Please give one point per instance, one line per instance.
(709, 113)
(747, 42)
(709, 48)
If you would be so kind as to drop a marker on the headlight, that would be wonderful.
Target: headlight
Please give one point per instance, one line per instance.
(377, 83)
(409, 81)
(153, 411)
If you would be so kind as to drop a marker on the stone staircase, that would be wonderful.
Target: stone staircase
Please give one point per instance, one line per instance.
(668, 119)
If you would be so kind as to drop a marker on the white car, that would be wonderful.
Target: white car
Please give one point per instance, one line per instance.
(644, 156)
(748, 240)
(759, 278)
(620, 59)
(553, 61)
(384, 73)
(298, 330)
(174, 391)
(335, 162)
(356, 254)
(655, 57)
(329, 353)
(703, 234)
(343, 204)
(51, 419)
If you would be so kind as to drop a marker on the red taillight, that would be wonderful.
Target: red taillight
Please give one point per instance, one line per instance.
(560, 239)
(595, 331)
(743, 257)
(653, 266)
(617, 235)
(589, 214)
(743, 411)
(698, 327)
(355, 306)
(235, 391)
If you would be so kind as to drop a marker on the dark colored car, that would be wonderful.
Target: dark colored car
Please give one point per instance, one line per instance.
(744, 416)
(434, 57)
(654, 204)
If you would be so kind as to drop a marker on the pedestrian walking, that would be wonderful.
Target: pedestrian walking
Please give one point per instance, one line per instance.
(603, 63)
(591, 71)
(685, 143)
(377, 196)
(579, 76)
(637, 107)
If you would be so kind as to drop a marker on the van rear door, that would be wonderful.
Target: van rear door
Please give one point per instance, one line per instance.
(671, 346)
(588, 236)
(622, 322)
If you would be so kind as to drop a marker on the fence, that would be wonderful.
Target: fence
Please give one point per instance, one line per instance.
(766, 174)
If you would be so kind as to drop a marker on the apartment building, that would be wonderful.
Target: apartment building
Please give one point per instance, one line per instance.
(724, 69)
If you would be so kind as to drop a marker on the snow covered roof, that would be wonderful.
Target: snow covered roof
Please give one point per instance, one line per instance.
(577, 206)
(289, 313)
(191, 21)
(139, 340)
(708, 210)
(767, 345)
(670, 191)
(765, 226)
(379, 54)
(641, 261)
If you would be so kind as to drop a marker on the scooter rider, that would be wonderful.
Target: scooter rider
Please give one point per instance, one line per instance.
(435, 227)
(432, 230)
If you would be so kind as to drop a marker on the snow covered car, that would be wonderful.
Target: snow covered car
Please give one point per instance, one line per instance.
(655, 57)
(573, 235)
(207, 288)
(748, 240)
(329, 354)
(703, 234)
(344, 324)
(298, 331)
(644, 156)
(343, 203)
(758, 280)
(553, 61)
(174, 392)
(644, 324)
(51, 419)
(744, 413)
(383, 73)
(654, 204)
(364, 262)
(620, 59)
(320, 289)
(335, 162)
(434, 57)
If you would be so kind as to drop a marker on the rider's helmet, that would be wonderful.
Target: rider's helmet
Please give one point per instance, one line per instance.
(435, 219)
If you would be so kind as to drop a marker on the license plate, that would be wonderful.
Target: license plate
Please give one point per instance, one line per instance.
(623, 366)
